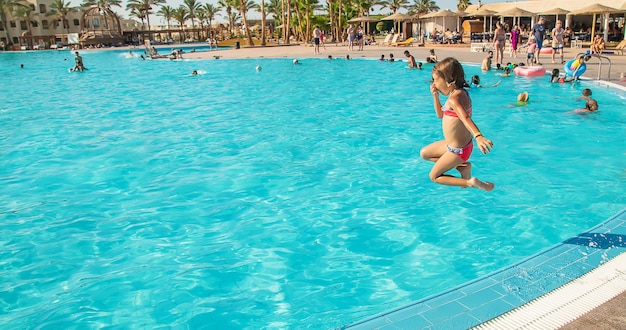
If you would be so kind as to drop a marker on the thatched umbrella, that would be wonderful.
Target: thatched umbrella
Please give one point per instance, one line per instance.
(516, 12)
(397, 17)
(554, 11)
(442, 13)
(598, 9)
(483, 11)
(365, 19)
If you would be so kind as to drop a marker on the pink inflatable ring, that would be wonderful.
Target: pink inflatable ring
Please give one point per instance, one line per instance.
(529, 71)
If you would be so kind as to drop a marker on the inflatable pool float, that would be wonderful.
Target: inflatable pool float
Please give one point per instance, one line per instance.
(529, 71)
(567, 68)
(546, 50)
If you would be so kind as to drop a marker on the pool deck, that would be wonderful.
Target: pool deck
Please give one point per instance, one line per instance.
(461, 52)
(508, 290)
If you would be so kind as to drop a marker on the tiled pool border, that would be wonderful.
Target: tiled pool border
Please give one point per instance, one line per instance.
(489, 296)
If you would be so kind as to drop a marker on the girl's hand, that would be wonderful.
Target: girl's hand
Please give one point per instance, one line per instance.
(484, 144)
(433, 89)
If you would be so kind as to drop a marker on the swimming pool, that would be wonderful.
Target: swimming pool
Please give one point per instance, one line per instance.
(137, 195)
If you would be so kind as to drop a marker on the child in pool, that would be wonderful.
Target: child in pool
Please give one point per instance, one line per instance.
(458, 129)
(577, 62)
(475, 83)
(432, 58)
(586, 94)
(590, 106)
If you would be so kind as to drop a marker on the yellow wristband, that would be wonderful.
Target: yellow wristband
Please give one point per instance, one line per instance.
(478, 134)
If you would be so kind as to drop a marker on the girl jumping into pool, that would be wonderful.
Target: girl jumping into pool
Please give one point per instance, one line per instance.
(458, 129)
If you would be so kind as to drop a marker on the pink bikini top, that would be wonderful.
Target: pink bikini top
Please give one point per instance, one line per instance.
(447, 111)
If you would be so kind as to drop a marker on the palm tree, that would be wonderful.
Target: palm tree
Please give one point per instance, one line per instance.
(60, 11)
(209, 11)
(228, 6)
(7, 7)
(181, 14)
(26, 13)
(142, 9)
(243, 9)
(394, 5)
(167, 13)
(192, 7)
(262, 22)
(421, 7)
(463, 4)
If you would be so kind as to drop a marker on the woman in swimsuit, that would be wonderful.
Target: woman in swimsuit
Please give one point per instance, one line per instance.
(499, 37)
(458, 129)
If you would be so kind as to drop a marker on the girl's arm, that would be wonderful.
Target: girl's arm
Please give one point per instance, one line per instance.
(436, 101)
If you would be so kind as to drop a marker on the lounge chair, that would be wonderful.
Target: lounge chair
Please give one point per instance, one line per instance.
(386, 41)
(619, 48)
(406, 42)
(394, 39)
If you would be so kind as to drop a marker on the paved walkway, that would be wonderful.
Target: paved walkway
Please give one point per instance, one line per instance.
(461, 52)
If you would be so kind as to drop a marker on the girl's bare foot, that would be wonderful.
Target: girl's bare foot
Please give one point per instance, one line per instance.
(486, 186)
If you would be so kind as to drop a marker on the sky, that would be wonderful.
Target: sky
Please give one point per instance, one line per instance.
(156, 20)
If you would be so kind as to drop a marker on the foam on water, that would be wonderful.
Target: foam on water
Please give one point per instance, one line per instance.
(136, 195)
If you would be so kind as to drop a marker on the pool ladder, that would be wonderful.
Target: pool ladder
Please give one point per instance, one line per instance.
(600, 58)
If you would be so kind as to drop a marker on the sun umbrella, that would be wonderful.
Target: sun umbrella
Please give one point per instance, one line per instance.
(516, 12)
(442, 13)
(363, 19)
(554, 11)
(595, 9)
(483, 11)
(397, 17)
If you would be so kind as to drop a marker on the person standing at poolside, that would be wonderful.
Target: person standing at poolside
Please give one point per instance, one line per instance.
(317, 36)
(539, 31)
(410, 59)
(458, 127)
(557, 40)
(515, 38)
(499, 38)
(351, 37)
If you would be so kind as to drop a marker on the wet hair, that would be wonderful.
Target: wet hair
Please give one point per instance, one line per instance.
(451, 71)
(476, 80)
(591, 105)
(498, 66)
(587, 92)
(555, 73)
(507, 70)
(390, 55)
(419, 65)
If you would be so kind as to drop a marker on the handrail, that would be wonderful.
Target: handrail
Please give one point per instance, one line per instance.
(599, 57)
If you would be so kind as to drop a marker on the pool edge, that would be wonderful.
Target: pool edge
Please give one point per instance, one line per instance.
(487, 297)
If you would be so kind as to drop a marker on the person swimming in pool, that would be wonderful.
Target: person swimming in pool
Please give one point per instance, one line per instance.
(590, 106)
(458, 129)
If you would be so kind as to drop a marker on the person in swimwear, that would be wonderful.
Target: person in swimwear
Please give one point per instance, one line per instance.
(458, 129)
(590, 106)
(499, 37)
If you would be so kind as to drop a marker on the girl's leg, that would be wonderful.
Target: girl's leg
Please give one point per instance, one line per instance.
(448, 161)
(433, 151)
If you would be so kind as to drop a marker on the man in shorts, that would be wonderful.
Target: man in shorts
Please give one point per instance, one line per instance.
(317, 35)
(539, 31)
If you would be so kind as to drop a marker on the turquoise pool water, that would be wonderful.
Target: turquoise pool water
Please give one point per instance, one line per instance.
(138, 196)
